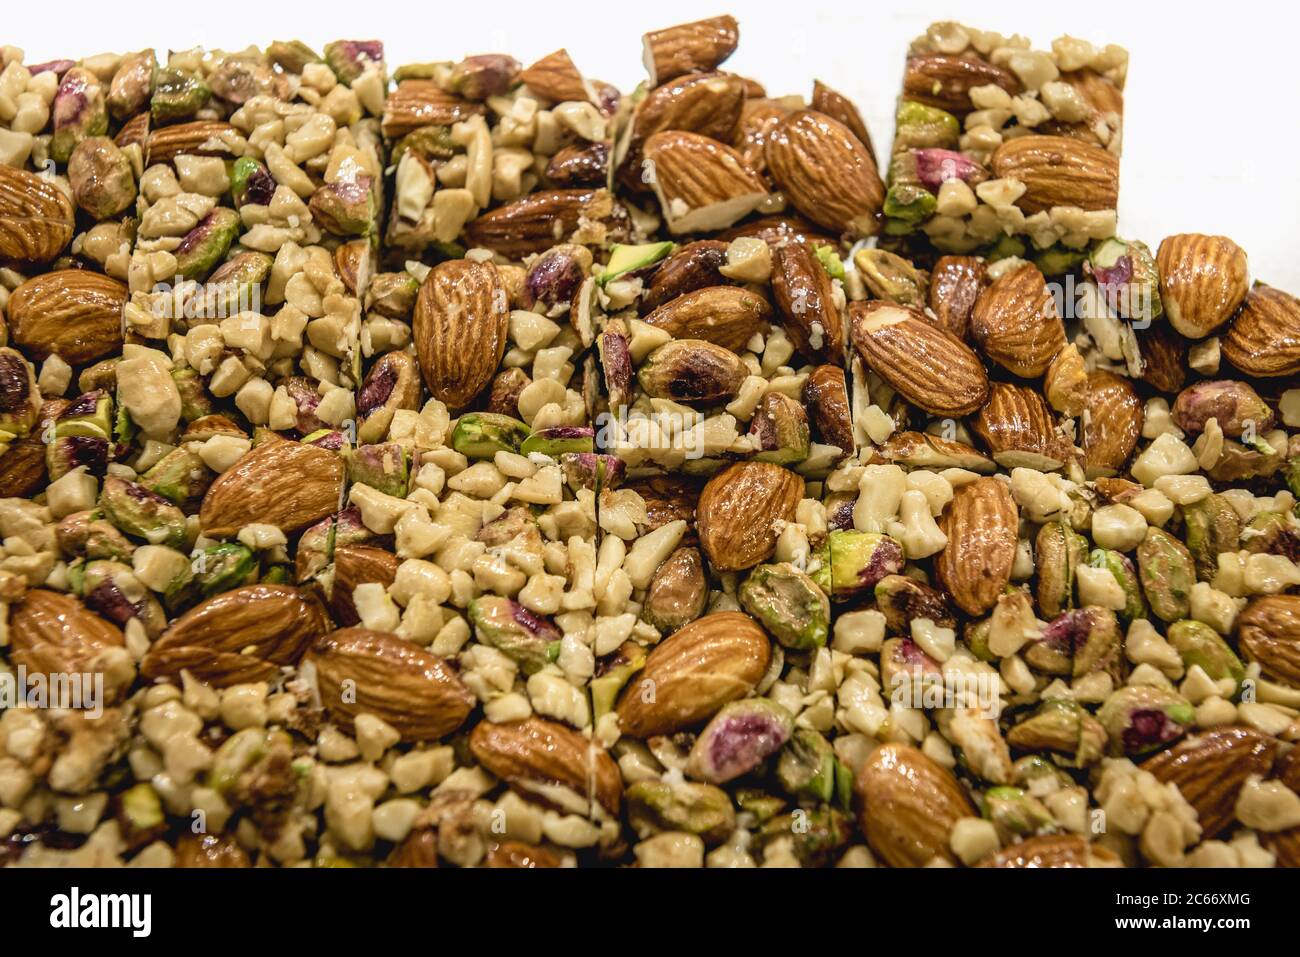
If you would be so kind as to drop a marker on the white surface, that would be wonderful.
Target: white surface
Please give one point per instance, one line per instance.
(1211, 127)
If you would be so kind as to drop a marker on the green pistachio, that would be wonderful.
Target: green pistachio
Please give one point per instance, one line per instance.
(392, 294)
(195, 400)
(1034, 767)
(481, 435)
(559, 440)
(830, 260)
(350, 58)
(919, 126)
(1007, 247)
(612, 674)
(1139, 720)
(1058, 260)
(206, 244)
(1058, 554)
(1199, 644)
(1119, 565)
(678, 591)
(141, 513)
(212, 571)
(291, 55)
(382, 467)
(177, 95)
(430, 142)
(854, 562)
(779, 430)
(1061, 727)
(818, 833)
(1016, 813)
(977, 639)
(788, 604)
(79, 111)
(1168, 574)
(345, 207)
(909, 203)
(890, 277)
(702, 809)
(532, 641)
(1127, 276)
(806, 766)
(758, 803)
(1211, 526)
(692, 371)
(180, 476)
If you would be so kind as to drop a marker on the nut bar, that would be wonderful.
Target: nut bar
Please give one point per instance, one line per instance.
(1003, 149)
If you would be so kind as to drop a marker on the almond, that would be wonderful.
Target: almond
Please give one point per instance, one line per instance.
(776, 231)
(727, 316)
(841, 108)
(826, 173)
(1164, 358)
(517, 855)
(981, 523)
(75, 314)
(690, 675)
(199, 138)
(134, 131)
(928, 366)
(739, 509)
(907, 806)
(1285, 845)
(355, 565)
(1015, 323)
(757, 120)
(1065, 383)
(544, 219)
(805, 295)
(1053, 850)
(945, 81)
(706, 103)
(689, 48)
(36, 217)
(702, 185)
(555, 77)
(1268, 631)
(1264, 338)
(1210, 769)
(826, 397)
(461, 321)
(1112, 423)
(1203, 279)
(921, 450)
(281, 483)
(955, 284)
(22, 468)
(242, 635)
(372, 672)
(1059, 171)
(693, 266)
(535, 755)
(417, 103)
(1020, 431)
(52, 633)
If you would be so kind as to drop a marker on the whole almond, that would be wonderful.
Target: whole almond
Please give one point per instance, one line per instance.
(758, 118)
(1059, 171)
(75, 314)
(373, 672)
(1112, 423)
(36, 217)
(51, 633)
(1020, 431)
(22, 468)
(702, 185)
(982, 524)
(538, 221)
(282, 483)
(695, 47)
(418, 103)
(1164, 358)
(356, 565)
(841, 108)
(1053, 850)
(579, 165)
(690, 267)
(1203, 279)
(197, 138)
(1264, 338)
(826, 397)
(727, 316)
(706, 103)
(955, 283)
(462, 317)
(690, 675)
(534, 755)
(242, 635)
(1015, 323)
(1268, 631)
(1210, 769)
(826, 173)
(945, 81)
(738, 511)
(927, 365)
(555, 77)
(907, 806)
(1065, 383)
(805, 295)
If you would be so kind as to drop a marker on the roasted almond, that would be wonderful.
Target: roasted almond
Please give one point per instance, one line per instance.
(705, 103)
(757, 120)
(982, 524)
(209, 850)
(955, 284)
(1210, 769)
(461, 321)
(198, 138)
(1053, 850)
(690, 675)
(1065, 383)
(907, 806)
(826, 173)
(538, 221)
(702, 185)
(1164, 358)
(36, 217)
(1203, 279)
(22, 468)
(1264, 338)
(1059, 171)
(1112, 423)
(1015, 322)
(417, 103)
(282, 483)
(776, 231)
(51, 633)
(1020, 431)
(728, 316)
(579, 165)
(1268, 631)
(242, 635)
(695, 47)
(739, 509)
(826, 397)
(356, 565)
(841, 108)
(693, 266)
(805, 295)
(373, 672)
(75, 314)
(521, 856)
(927, 365)
(945, 81)
(921, 450)
(535, 756)
(555, 77)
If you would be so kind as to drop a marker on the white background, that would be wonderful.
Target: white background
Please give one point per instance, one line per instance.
(1211, 125)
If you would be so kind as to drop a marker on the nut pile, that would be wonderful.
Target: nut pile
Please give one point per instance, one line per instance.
(479, 466)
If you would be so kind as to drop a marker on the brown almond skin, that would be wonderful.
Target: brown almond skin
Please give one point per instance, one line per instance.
(518, 855)
(776, 231)
(1059, 171)
(1268, 631)
(726, 316)
(668, 498)
(758, 117)
(54, 633)
(538, 221)
(355, 565)
(22, 469)
(418, 849)
(414, 690)
(1164, 358)
(826, 173)
(704, 103)
(242, 635)
(555, 77)
(691, 267)
(907, 805)
(460, 327)
(281, 483)
(805, 295)
(1203, 279)
(694, 172)
(841, 108)
(73, 313)
(826, 397)
(36, 217)
(1019, 429)
(955, 283)
(690, 675)
(1112, 425)
(945, 81)
(417, 103)
(981, 523)
(928, 366)
(690, 47)
(1052, 850)
(1015, 323)
(196, 138)
(545, 752)
(1264, 338)
(576, 166)
(737, 511)
(210, 850)
(1210, 769)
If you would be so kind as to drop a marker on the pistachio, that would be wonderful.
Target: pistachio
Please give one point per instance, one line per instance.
(891, 277)
(428, 142)
(818, 834)
(213, 570)
(616, 363)
(103, 182)
(901, 599)
(111, 589)
(345, 207)
(240, 78)
(906, 669)
(132, 85)
(1211, 527)
(588, 470)
(654, 807)
(392, 294)
(1199, 644)
(85, 535)
(251, 182)
(779, 430)
(1234, 405)
(392, 384)
(180, 476)
(555, 276)
(917, 125)
(20, 399)
(66, 453)
(383, 467)
(511, 628)
(1272, 533)
(692, 371)
(79, 111)
(788, 604)
(235, 287)
(806, 766)
(1168, 574)
(481, 435)
(140, 513)
(738, 739)
(1121, 568)
(1063, 728)
(678, 591)
(177, 95)
(1058, 554)
(291, 55)
(854, 562)
(1016, 813)
(1139, 720)
(1077, 643)
(1126, 274)
(613, 672)
(479, 77)
(206, 244)
(559, 440)
(350, 58)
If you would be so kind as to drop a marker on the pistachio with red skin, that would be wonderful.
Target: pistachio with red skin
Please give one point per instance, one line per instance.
(485, 75)
(692, 371)
(392, 384)
(779, 430)
(1063, 728)
(853, 562)
(143, 514)
(1126, 274)
(1234, 405)
(251, 182)
(235, 286)
(556, 275)
(503, 394)
(1139, 720)
(132, 85)
(350, 58)
(511, 628)
(906, 669)
(902, 599)
(345, 207)
(206, 244)
(239, 78)
(382, 467)
(590, 470)
(738, 739)
(1243, 463)
(79, 111)
(103, 182)
(111, 589)
(616, 363)
(1273, 533)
